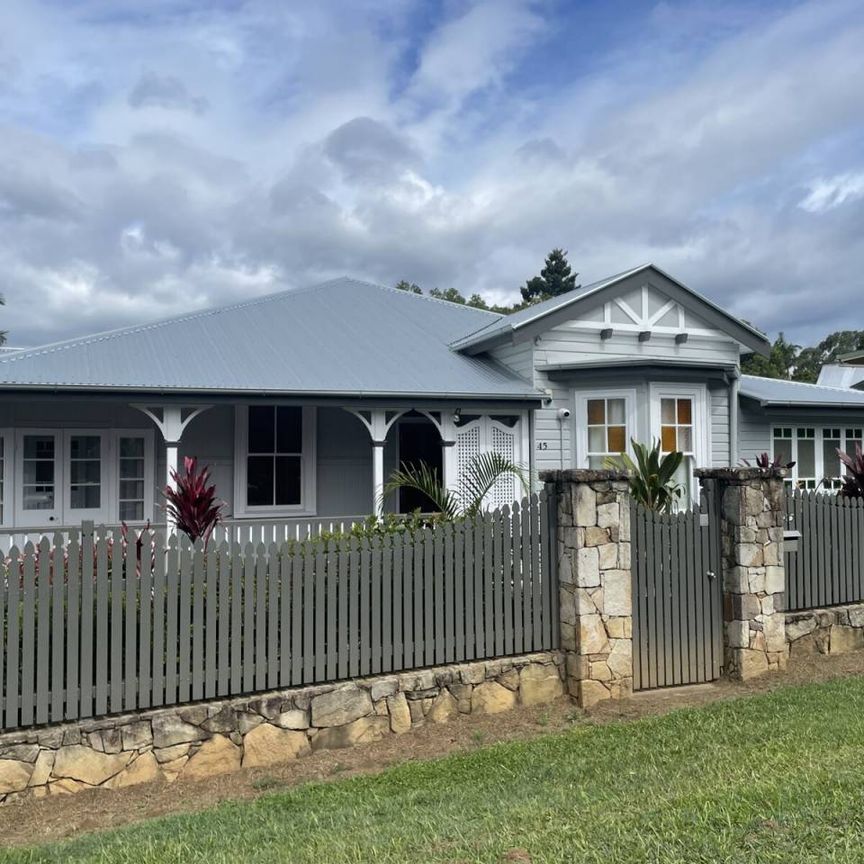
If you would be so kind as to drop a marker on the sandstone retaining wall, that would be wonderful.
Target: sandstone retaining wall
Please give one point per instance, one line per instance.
(195, 741)
(834, 630)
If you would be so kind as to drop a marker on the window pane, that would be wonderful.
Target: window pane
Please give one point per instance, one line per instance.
(38, 446)
(132, 490)
(668, 438)
(131, 448)
(783, 450)
(596, 462)
(685, 439)
(287, 480)
(617, 439)
(131, 468)
(667, 411)
(850, 445)
(84, 497)
(806, 458)
(88, 471)
(261, 429)
(615, 408)
(685, 411)
(259, 481)
(84, 447)
(289, 430)
(131, 511)
(38, 497)
(38, 472)
(597, 439)
(830, 459)
(596, 411)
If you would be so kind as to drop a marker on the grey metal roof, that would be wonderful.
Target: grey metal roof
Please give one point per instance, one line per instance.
(841, 375)
(771, 392)
(508, 324)
(344, 337)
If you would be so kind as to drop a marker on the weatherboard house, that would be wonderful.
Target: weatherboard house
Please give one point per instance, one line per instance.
(303, 402)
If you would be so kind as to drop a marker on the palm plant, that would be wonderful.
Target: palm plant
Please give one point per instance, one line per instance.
(475, 483)
(193, 506)
(853, 481)
(651, 476)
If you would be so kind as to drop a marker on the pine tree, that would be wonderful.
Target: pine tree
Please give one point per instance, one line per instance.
(555, 278)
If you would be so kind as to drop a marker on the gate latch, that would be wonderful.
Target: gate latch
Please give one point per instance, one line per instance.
(711, 574)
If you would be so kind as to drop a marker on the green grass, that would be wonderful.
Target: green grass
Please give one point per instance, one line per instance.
(770, 778)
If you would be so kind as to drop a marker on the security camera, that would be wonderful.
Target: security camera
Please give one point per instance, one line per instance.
(563, 413)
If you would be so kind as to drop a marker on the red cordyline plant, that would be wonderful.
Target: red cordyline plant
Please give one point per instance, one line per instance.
(193, 506)
(853, 481)
(767, 463)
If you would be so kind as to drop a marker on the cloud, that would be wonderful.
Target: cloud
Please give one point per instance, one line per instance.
(451, 148)
(165, 91)
(826, 194)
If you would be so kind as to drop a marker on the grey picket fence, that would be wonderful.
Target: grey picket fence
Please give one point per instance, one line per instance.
(827, 568)
(91, 627)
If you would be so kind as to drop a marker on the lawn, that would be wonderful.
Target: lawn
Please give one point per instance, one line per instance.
(767, 778)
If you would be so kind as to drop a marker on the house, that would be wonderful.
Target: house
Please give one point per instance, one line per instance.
(847, 372)
(303, 402)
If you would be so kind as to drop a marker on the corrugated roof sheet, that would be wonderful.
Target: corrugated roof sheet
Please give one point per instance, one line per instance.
(343, 337)
(840, 375)
(509, 323)
(771, 391)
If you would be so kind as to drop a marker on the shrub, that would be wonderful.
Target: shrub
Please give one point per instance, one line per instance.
(853, 481)
(193, 506)
(652, 476)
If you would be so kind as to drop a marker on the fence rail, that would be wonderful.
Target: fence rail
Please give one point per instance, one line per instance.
(828, 567)
(90, 628)
(233, 530)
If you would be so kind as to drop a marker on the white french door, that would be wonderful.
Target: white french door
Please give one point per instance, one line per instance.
(84, 488)
(39, 498)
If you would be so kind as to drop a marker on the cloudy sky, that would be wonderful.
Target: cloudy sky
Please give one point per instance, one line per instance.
(165, 156)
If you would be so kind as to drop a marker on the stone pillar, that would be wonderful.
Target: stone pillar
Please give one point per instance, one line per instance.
(596, 609)
(752, 520)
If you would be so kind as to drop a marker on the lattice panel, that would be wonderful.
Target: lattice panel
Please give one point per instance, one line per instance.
(503, 441)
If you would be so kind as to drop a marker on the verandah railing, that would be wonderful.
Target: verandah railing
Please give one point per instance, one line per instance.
(827, 568)
(90, 627)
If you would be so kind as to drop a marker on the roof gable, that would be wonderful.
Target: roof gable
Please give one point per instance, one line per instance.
(342, 337)
(645, 297)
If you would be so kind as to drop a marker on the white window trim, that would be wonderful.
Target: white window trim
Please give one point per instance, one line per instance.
(581, 416)
(308, 466)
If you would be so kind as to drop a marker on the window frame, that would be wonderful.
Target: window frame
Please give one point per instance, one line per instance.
(95, 514)
(582, 397)
(818, 481)
(308, 464)
(149, 474)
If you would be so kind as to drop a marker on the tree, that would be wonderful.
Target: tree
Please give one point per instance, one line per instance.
(555, 278)
(3, 333)
(411, 287)
(829, 350)
(449, 294)
(780, 364)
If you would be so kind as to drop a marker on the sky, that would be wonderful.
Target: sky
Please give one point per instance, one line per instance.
(162, 157)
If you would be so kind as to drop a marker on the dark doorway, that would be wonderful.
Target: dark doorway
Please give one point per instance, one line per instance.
(419, 442)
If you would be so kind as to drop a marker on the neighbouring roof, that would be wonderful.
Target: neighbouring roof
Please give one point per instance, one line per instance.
(344, 337)
(841, 375)
(775, 393)
(507, 326)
